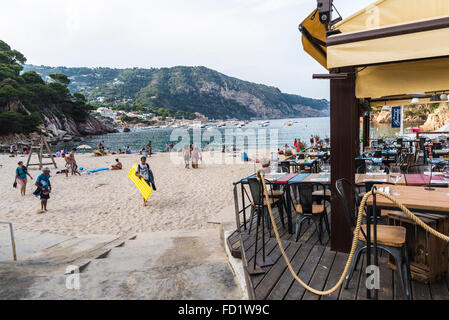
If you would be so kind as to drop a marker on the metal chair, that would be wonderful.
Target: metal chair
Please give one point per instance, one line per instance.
(391, 239)
(259, 201)
(306, 210)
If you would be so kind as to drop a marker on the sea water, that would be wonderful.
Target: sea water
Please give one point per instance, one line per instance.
(278, 132)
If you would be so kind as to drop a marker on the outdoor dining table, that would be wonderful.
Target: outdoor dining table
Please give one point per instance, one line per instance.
(375, 161)
(379, 178)
(441, 152)
(424, 179)
(416, 199)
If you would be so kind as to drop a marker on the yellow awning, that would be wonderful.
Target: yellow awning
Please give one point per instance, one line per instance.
(393, 79)
(385, 13)
(426, 44)
(314, 38)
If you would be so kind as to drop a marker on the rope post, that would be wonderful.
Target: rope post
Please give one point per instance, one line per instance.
(374, 213)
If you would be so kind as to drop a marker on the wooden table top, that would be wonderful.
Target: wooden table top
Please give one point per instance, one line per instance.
(416, 198)
(318, 178)
(360, 178)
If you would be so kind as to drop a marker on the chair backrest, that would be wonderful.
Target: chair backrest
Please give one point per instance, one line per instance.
(360, 165)
(410, 159)
(285, 166)
(344, 187)
(422, 141)
(305, 191)
(255, 188)
(377, 154)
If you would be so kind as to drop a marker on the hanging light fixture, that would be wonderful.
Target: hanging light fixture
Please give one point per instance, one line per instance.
(444, 97)
(435, 98)
(415, 101)
(385, 107)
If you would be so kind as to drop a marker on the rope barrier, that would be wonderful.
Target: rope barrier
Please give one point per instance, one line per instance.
(354, 240)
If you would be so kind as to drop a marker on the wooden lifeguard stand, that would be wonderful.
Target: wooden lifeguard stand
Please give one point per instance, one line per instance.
(38, 147)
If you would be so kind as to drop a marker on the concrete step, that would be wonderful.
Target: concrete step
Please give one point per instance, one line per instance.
(161, 265)
(28, 243)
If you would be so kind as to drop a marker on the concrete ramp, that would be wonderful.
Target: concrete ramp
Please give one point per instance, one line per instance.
(32, 245)
(161, 265)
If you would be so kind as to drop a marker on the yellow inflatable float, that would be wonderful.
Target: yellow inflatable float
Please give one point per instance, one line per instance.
(98, 153)
(143, 187)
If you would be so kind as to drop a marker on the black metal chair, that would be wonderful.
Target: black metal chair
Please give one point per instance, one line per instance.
(259, 201)
(391, 239)
(423, 148)
(285, 166)
(360, 166)
(407, 162)
(307, 210)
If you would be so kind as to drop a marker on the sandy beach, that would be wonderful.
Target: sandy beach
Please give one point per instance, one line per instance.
(108, 203)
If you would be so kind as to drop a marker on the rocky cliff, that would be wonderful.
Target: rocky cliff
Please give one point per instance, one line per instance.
(57, 126)
(438, 119)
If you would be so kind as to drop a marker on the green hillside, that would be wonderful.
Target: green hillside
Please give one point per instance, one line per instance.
(184, 91)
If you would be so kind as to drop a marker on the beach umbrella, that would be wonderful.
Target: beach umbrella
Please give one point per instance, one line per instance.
(84, 146)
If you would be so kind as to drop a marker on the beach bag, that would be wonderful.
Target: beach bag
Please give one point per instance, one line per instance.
(37, 192)
(14, 185)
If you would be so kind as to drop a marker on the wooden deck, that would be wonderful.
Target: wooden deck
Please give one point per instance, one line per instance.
(321, 268)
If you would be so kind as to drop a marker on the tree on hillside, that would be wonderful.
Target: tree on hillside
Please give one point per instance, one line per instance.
(36, 95)
(61, 78)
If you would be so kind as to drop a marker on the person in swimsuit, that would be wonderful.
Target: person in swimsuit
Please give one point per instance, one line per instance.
(21, 177)
(73, 165)
(67, 164)
(44, 188)
(187, 154)
(143, 171)
(117, 166)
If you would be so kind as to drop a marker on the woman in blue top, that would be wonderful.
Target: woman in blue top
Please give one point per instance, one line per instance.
(44, 186)
(21, 177)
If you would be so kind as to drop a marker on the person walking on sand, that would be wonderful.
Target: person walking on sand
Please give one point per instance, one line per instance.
(43, 188)
(73, 165)
(67, 164)
(149, 148)
(143, 171)
(186, 154)
(21, 177)
(196, 157)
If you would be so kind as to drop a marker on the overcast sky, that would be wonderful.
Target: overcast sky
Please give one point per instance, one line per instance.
(254, 40)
